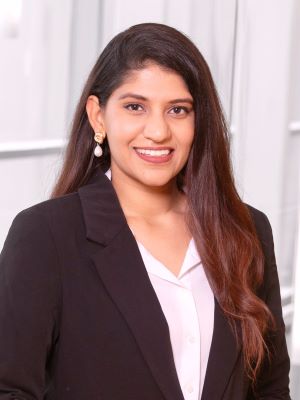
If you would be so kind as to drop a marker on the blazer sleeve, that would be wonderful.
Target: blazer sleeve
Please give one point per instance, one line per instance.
(273, 382)
(29, 306)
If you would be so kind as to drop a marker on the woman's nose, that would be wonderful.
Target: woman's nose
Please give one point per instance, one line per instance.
(157, 128)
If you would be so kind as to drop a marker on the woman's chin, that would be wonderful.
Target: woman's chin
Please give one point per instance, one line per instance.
(158, 181)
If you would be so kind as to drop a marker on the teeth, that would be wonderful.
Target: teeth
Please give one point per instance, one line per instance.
(154, 152)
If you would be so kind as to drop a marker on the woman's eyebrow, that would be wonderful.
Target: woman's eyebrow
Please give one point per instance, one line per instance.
(135, 96)
(183, 100)
(140, 97)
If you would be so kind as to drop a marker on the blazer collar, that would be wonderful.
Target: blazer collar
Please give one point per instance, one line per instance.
(101, 208)
(125, 277)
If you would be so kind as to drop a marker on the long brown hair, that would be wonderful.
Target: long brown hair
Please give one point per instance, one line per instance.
(219, 221)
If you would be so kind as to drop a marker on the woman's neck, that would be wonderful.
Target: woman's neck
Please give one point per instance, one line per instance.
(138, 200)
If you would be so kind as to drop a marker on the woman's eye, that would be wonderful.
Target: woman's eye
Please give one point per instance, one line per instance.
(180, 110)
(134, 107)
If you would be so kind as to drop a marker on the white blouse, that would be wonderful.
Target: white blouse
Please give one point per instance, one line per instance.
(187, 302)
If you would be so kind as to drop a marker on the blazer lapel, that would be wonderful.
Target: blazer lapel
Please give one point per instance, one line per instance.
(120, 266)
(223, 356)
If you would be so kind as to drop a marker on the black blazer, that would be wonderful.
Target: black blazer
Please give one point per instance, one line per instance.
(79, 318)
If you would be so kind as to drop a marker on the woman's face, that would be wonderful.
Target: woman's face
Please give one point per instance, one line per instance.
(149, 122)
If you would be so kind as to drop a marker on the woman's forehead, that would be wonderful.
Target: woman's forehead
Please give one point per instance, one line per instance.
(154, 80)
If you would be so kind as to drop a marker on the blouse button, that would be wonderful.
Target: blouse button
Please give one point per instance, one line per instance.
(191, 339)
(189, 388)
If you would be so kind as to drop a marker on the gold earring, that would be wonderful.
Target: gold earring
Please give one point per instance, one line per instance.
(99, 137)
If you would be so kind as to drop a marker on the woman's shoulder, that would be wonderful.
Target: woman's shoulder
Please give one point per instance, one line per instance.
(62, 213)
(256, 214)
(57, 206)
(264, 232)
(261, 222)
(265, 236)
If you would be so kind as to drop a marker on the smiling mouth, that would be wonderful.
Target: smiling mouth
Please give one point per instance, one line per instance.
(152, 152)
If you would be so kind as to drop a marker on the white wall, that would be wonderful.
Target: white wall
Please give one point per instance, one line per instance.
(293, 188)
(266, 153)
(34, 81)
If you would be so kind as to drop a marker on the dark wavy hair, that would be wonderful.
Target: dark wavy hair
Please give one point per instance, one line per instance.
(219, 221)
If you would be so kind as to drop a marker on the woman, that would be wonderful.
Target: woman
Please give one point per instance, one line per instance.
(103, 291)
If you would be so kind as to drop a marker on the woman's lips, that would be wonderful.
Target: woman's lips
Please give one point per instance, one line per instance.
(156, 155)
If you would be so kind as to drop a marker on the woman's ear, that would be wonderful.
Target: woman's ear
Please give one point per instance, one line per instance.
(94, 113)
